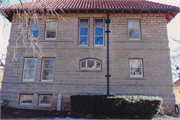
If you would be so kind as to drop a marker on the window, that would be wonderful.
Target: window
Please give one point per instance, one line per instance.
(133, 29)
(45, 100)
(47, 69)
(136, 68)
(34, 29)
(51, 30)
(29, 69)
(90, 64)
(99, 32)
(83, 31)
(25, 99)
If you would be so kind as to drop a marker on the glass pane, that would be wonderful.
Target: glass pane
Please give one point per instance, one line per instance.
(98, 31)
(48, 63)
(98, 40)
(51, 25)
(35, 26)
(83, 41)
(83, 31)
(26, 99)
(98, 21)
(134, 34)
(135, 63)
(30, 63)
(83, 21)
(29, 74)
(98, 64)
(83, 64)
(34, 33)
(133, 25)
(90, 64)
(47, 75)
(51, 34)
(45, 99)
(136, 71)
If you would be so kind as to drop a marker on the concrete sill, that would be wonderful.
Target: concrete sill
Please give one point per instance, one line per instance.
(91, 70)
(137, 78)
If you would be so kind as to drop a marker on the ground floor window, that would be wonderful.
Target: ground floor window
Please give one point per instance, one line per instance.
(26, 99)
(45, 100)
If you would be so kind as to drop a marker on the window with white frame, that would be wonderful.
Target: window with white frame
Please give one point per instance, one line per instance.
(29, 69)
(90, 64)
(133, 30)
(51, 30)
(25, 99)
(45, 100)
(99, 32)
(34, 29)
(136, 67)
(47, 69)
(83, 31)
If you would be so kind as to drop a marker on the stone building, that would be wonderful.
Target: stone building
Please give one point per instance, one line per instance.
(74, 60)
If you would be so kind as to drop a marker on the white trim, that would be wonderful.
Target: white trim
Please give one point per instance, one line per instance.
(137, 20)
(56, 30)
(140, 76)
(28, 68)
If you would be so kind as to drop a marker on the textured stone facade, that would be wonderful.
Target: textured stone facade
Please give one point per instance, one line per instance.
(70, 80)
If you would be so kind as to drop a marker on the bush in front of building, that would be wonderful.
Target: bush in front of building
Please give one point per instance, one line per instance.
(143, 107)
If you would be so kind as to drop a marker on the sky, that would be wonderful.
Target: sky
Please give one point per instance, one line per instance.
(173, 27)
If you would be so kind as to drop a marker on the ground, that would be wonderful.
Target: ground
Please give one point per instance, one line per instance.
(13, 113)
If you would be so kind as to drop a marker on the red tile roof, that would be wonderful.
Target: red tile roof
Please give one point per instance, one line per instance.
(177, 83)
(98, 5)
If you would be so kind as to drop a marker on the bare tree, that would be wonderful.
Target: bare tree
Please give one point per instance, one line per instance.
(24, 15)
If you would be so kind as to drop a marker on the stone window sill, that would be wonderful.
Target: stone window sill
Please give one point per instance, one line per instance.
(137, 78)
(93, 70)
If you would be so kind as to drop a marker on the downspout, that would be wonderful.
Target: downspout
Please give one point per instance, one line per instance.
(107, 22)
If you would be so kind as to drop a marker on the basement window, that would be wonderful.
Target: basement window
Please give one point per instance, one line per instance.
(45, 100)
(133, 29)
(90, 64)
(26, 99)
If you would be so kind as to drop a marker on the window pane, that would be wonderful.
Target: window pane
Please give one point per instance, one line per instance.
(51, 25)
(83, 64)
(135, 63)
(29, 74)
(34, 33)
(51, 34)
(83, 21)
(98, 31)
(98, 40)
(90, 64)
(30, 63)
(83, 31)
(136, 71)
(35, 26)
(26, 99)
(133, 27)
(47, 75)
(83, 41)
(98, 64)
(98, 21)
(45, 99)
(48, 63)
(134, 34)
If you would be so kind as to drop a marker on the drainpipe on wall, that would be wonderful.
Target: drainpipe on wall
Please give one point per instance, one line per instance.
(107, 22)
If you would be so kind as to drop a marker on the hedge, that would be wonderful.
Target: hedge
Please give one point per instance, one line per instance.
(143, 107)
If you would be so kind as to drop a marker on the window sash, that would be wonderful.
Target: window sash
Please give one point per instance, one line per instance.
(95, 36)
(83, 36)
(34, 27)
(47, 69)
(45, 104)
(29, 69)
(86, 64)
(133, 29)
(21, 99)
(51, 30)
(131, 68)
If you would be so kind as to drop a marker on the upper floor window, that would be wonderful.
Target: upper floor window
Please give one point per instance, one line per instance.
(51, 30)
(136, 68)
(83, 31)
(47, 69)
(29, 69)
(133, 30)
(90, 64)
(99, 32)
(34, 29)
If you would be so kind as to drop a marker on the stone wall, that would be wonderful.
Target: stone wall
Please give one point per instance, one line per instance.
(70, 80)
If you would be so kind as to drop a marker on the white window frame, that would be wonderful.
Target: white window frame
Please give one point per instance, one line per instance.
(137, 20)
(40, 104)
(43, 69)
(25, 103)
(30, 30)
(29, 68)
(141, 68)
(83, 26)
(46, 30)
(86, 68)
(99, 26)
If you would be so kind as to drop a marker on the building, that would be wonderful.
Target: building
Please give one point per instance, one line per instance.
(177, 91)
(74, 57)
